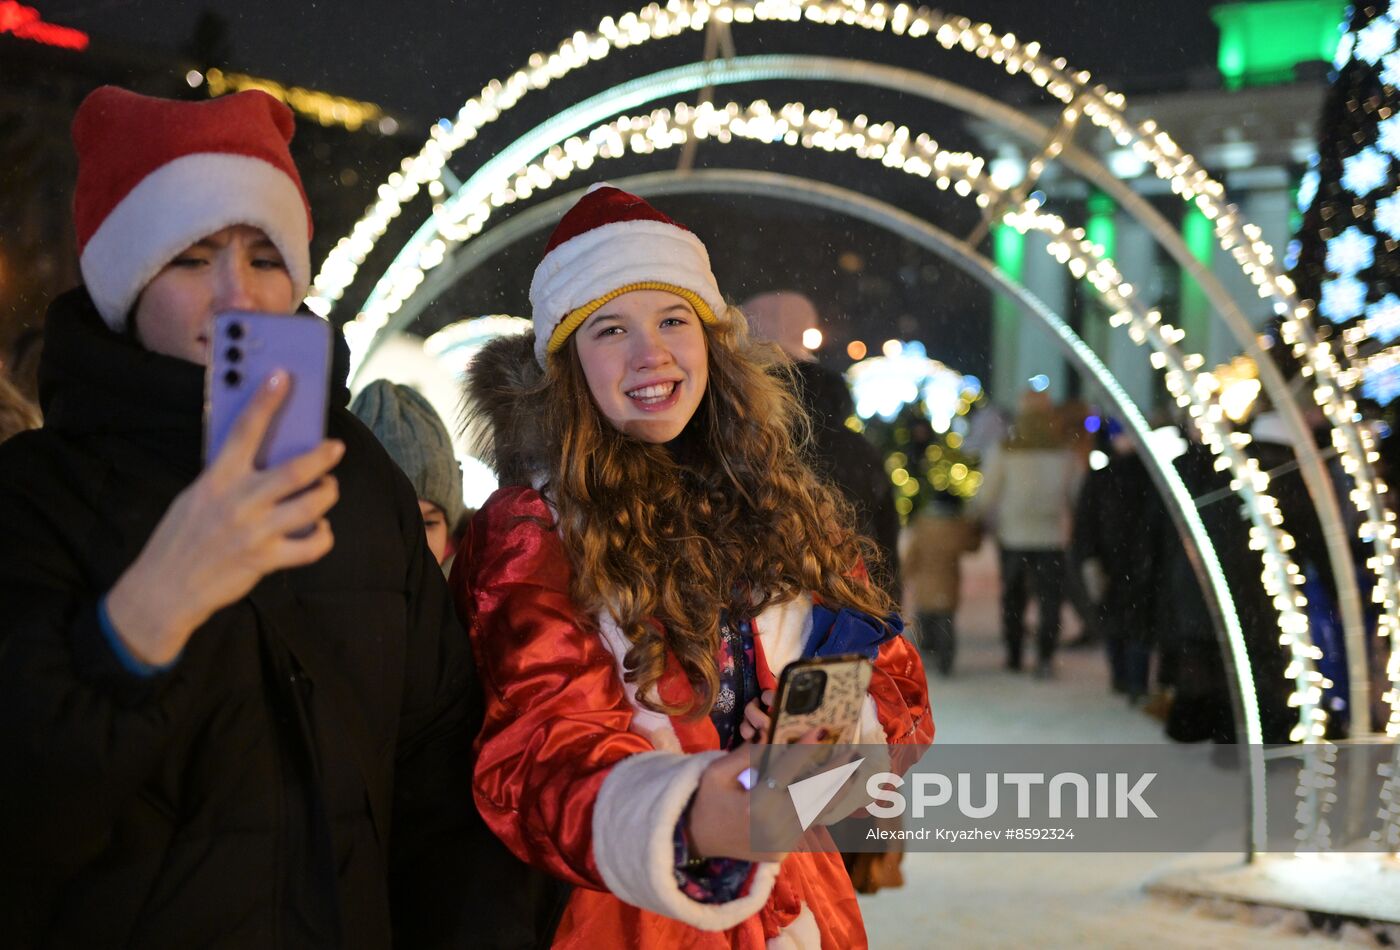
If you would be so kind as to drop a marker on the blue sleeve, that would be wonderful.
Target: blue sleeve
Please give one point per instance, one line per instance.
(129, 661)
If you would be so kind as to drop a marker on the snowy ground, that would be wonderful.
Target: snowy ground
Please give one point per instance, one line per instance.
(1051, 900)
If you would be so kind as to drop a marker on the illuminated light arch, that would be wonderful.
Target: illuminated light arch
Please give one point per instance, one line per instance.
(961, 172)
(1072, 88)
(1103, 107)
(647, 133)
(466, 212)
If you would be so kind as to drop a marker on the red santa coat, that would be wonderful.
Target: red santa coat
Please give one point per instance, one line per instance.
(579, 779)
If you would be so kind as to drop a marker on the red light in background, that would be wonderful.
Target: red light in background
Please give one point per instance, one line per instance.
(25, 23)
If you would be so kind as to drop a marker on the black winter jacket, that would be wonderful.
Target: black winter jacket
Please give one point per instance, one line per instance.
(300, 774)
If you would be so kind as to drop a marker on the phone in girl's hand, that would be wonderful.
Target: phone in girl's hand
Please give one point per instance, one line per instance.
(244, 350)
(826, 692)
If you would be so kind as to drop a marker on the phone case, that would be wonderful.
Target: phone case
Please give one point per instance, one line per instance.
(847, 680)
(245, 349)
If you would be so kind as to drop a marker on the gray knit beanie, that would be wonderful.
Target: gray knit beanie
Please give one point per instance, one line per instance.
(414, 435)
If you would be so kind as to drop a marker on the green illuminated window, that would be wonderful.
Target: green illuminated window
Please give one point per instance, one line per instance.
(1009, 250)
(1262, 40)
(1100, 227)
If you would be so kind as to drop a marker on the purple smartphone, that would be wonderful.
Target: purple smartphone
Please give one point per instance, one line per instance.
(244, 351)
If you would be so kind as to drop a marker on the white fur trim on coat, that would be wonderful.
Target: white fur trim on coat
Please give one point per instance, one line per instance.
(610, 256)
(181, 202)
(634, 824)
(870, 730)
(783, 629)
(655, 726)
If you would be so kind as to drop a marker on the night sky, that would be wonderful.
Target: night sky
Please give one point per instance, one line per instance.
(422, 60)
(426, 57)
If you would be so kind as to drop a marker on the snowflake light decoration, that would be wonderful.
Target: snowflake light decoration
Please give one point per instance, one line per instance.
(1388, 130)
(1342, 299)
(1351, 251)
(1344, 49)
(1383, 319)
(1382, 384)
(1307, 187)
(1365, 171)
(1387, 216)
(1377, 39)
(1390, 69)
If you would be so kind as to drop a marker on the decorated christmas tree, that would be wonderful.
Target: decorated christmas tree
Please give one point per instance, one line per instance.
(1347, 255)
(916, 410)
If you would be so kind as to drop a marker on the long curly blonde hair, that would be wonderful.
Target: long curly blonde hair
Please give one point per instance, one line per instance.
(728, 517)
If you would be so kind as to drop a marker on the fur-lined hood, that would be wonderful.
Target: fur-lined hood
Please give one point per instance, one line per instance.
(504, 409)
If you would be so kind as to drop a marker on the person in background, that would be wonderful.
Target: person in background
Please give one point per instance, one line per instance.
(1028, 489)
(843, 457)
(219, 728)
(1074, 414)
(931, 548)
(413, 434)
(1114, 546)
(17, 414)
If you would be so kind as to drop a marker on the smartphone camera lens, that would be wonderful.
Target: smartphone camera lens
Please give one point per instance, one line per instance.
(233, 354)
(235, 331)
(805, 693)
(233, 378)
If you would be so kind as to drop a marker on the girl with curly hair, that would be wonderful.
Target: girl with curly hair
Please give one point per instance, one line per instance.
(658, 552)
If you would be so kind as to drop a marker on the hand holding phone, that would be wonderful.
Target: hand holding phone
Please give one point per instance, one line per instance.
(230, 528)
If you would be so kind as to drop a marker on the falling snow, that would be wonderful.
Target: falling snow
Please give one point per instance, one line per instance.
(1350, 252)
(1383, 319)
(1375, 40)
(1342, 299)
(1365, 171)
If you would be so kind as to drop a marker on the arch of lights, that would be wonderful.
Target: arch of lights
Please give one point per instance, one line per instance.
(464, 214)
(659, 130)
(1103, 107)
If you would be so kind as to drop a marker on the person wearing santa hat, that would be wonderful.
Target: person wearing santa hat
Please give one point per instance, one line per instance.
(657, 554)
(218, 728)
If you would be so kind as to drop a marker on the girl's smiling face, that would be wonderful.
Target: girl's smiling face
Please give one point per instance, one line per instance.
(644, 356)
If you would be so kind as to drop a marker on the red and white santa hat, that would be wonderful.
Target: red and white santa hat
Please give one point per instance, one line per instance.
(609, 244)
(157, 175)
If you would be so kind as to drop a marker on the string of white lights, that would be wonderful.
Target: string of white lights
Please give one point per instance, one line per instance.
(963, 173)
(1071, 88)
(1331, 390)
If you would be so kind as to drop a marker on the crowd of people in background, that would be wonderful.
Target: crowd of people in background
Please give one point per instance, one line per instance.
(1081, 529)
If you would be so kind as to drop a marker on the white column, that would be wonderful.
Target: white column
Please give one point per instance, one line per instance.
(1039, 353)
